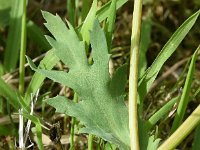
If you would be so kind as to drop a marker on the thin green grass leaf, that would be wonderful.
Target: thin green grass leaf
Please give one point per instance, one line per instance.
(1, 105)
(5, 7)
(103, 13)
(37, 36)
(88, 23)
(22, 50)
(110, 22)
(14, 34)
(71, 11)
(38, 128)
(85, 9)
(6, 130)
(152, 72)
(144, 44)
(7, 92)
(185, 95)
(48, 62)
(161, 113)
(23, 104)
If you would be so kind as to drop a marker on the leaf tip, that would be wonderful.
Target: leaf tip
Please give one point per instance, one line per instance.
(31, 64)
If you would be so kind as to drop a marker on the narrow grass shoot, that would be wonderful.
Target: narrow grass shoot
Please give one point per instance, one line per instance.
(168, 49)
(71, 7)
(161, 112)
(85, 9)
(9, 93)
(185, 95)
(37, 36)
(14, 34)
(22, 49)
(110, 22)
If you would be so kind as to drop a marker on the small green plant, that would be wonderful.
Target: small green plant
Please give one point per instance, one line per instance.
(101, 108)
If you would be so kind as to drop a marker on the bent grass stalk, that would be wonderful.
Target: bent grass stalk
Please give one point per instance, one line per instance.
(184, 130)
(133, 76)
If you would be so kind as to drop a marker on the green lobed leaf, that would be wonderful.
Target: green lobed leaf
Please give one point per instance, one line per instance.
(153, 143)
(50, 59)
(103, 113)
(66, 44)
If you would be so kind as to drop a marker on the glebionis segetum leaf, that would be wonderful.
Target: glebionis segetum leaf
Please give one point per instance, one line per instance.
(101, 108)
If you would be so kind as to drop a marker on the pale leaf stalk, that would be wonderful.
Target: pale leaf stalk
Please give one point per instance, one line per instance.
(133, 76)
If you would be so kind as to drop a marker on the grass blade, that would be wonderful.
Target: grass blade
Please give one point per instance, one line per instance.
(36, 34)
(48, 62)
(161, 112)
(38, 128)
(103, 13)
(152, 72)
(185, 95)
(85, 9)
(7, 92)
(88, 23)
(144, 44)
(71, 12)
(22, 50)
(110, 23)
(13, 39)
(4, 12)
